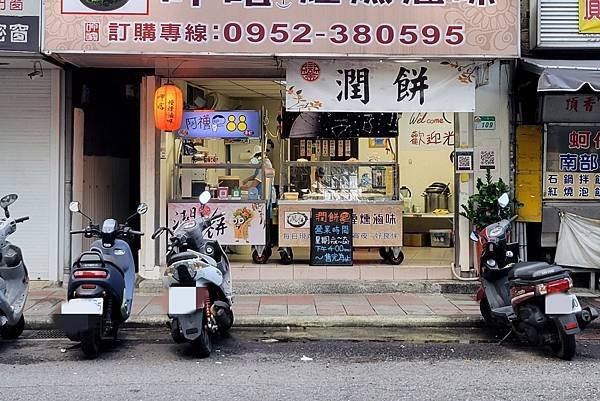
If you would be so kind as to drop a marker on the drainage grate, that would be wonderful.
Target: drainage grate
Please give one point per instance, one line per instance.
(43, 334)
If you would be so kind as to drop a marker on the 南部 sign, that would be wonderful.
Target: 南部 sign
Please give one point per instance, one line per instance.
(448, 28)
(337, 86)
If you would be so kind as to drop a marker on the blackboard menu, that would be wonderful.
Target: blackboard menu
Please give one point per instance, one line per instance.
(331, 237)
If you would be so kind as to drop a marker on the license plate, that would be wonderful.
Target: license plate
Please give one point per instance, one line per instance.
(182, 300)
(562, 304)
(83, 306)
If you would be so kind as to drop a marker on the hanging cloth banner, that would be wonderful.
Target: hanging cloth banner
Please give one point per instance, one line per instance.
(578, 240)
(372, 86)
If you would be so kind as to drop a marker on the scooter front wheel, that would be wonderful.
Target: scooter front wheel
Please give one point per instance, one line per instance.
(566, 347)
(486, 312)
(8, 332)
(90, 343)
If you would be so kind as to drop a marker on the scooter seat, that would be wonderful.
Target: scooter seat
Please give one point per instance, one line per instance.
(533, 271)
(178, 257)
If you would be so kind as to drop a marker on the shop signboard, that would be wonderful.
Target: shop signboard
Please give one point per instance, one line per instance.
(589, 16)
(227, 124)
(352, 86)
(572, 165)
(331, 237)
(571, 108)
(427, 131)
(20, 25)
(243, 223)
(373, 224)
(420, 28)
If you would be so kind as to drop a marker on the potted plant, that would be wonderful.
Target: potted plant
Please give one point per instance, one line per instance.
(482, 208)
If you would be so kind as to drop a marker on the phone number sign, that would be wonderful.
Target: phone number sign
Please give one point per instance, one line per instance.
(281, 27)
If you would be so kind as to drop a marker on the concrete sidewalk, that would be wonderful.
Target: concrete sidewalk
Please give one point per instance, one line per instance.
(397, 309)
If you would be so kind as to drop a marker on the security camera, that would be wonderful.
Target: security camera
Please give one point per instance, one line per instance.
(34, 74)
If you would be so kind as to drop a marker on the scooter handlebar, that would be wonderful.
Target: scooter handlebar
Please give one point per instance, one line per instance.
(514, 218)
(21, 219)
(133, 232)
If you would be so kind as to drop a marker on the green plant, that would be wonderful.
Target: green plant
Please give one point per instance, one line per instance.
(482, 208)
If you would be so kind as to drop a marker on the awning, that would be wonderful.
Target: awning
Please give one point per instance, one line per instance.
(564, 75)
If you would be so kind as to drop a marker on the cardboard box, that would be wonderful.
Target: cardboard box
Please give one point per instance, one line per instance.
(418, 239)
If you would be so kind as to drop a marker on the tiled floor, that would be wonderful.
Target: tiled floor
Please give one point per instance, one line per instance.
(47, 301)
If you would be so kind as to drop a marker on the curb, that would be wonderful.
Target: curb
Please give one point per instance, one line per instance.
(151, 321)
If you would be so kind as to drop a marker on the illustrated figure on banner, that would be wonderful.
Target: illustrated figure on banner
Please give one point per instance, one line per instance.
(241, 224)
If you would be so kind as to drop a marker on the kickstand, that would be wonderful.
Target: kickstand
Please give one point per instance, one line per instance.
(506, 337)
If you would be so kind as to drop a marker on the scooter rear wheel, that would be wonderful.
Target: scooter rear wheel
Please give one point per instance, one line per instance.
(566, 346)
(176, 333)
(8, 332)
(203, 344)
(90, 343)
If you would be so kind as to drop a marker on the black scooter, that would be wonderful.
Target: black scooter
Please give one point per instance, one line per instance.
(530, 299)
(100, 291)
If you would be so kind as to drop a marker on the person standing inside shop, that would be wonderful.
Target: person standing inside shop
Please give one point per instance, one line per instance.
(256, 180)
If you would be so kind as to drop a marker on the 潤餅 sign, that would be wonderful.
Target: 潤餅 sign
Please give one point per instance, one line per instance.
(19, 25)
(338, 85)
(447, 28)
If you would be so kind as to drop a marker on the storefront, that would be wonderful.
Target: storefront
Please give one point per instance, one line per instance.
(32, 138)
(429, 73)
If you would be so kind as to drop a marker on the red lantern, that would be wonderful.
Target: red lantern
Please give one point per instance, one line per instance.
(168, 107)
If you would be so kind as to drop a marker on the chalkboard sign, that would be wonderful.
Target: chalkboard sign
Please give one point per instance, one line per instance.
(331, 237)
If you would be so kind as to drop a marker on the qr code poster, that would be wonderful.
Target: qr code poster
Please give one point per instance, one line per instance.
(464, 160)
(486, 158)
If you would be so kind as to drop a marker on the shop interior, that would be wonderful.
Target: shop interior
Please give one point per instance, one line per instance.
(300, 165)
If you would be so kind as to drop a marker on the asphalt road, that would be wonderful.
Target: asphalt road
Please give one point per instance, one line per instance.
(358, 364)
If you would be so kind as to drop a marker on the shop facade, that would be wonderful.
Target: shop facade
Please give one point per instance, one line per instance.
(32, 138)
(439, 72)
(557, 134)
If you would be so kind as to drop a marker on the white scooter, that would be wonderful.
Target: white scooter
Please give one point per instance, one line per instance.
(198, 278)
(14, 280)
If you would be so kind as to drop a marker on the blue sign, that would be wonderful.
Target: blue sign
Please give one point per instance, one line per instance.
(226, 124)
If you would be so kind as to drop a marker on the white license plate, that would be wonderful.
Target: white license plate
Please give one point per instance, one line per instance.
(82, 306)
(182, 300)
(562, 304)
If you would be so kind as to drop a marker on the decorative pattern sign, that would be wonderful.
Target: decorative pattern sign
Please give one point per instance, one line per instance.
(420, 28)
(220, 124)
(243, 223)
(331, 237)
(572, 162)
(379, 86)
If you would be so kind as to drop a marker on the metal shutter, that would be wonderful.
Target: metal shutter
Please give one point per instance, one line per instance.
(558, 25)
(25, 165)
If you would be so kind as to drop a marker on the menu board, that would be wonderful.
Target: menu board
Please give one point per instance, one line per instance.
(572, 161)
(331, 237)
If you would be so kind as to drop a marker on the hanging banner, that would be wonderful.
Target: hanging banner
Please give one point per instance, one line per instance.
(420, 28)
(572, 162)
(243, 223)
(20, 25)
(338, 85)
(589, 16)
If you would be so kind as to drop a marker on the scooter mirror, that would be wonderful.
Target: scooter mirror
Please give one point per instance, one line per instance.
(8, 200)
(74, 207)
(474, 237)
(204, 197)
(142, 209)
(504, 200)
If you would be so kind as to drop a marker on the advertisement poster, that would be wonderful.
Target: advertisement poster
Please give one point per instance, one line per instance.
(242, 223)
(439, 28)
(339, 85)
(572, 162)
(226, 124)
(372, 224)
